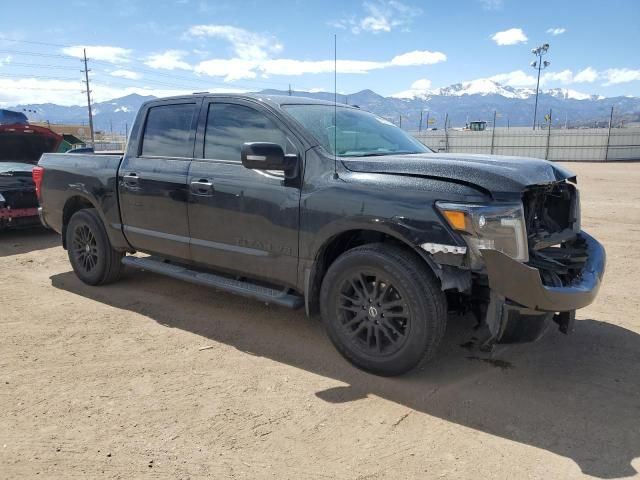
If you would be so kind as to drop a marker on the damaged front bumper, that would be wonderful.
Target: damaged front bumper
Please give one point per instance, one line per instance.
(522, 306)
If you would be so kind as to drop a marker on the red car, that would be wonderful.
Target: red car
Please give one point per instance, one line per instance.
(21, 146)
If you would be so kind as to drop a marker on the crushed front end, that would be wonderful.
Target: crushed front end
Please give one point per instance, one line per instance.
(563, 273)
(531, 262)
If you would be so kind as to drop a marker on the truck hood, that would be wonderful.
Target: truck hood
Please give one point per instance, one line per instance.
(15, 175)
(493, 173)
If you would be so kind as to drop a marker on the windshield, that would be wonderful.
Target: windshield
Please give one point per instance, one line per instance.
(357, 134)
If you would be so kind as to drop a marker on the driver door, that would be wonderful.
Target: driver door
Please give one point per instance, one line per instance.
(243, 221)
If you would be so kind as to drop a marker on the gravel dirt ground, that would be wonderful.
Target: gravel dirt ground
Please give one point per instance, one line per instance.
(113, 382)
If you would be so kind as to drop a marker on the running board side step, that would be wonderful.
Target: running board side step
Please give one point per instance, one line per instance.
(264, 294)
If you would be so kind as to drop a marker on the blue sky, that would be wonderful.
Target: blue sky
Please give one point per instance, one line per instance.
(389, 46)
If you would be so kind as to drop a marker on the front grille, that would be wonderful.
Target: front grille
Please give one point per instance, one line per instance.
(550, 209)
(21, 199)
(552, 218)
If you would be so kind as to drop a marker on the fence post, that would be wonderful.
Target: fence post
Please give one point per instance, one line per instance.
(493, 131)
(606, 153)
(446, 134)
(546, 155)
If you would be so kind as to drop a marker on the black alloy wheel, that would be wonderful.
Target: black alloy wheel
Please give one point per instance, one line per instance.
(85, 248)
(91, 255)
(373, 312)
(383, 308)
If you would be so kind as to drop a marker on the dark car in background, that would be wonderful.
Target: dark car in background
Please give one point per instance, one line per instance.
(21, 146)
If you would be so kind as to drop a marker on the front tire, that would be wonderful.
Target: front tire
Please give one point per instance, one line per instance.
(91, 255)
(383, 309)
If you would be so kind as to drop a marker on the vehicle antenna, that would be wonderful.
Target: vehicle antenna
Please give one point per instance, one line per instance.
(335, 105)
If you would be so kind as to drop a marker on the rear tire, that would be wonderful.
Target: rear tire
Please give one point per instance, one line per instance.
(92, 257)
(383, 309)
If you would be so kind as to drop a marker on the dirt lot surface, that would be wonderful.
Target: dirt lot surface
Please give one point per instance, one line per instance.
(111, 382)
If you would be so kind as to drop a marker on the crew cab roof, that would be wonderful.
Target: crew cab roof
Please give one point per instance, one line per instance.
(276, 101)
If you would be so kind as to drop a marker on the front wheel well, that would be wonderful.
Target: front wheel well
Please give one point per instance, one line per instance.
(335, 247)
(73, 205)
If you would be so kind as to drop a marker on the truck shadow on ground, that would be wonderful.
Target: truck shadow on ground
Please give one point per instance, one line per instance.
(576, 396)
(16, 242)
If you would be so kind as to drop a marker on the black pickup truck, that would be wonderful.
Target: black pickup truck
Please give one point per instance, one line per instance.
(298, 202)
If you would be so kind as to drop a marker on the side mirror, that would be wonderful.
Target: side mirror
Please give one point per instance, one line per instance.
(263, 156)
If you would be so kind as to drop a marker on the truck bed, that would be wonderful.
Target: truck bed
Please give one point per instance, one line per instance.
(84, 178)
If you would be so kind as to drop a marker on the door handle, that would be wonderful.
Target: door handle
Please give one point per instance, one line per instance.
(131, 179)
(202, 187)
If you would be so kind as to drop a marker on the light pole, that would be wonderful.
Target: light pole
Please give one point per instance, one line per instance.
(540, 65)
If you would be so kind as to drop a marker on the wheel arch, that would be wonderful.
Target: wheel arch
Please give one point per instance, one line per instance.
(344, 241)
(73, 204)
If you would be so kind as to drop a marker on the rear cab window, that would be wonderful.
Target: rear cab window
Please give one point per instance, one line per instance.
(168, 131)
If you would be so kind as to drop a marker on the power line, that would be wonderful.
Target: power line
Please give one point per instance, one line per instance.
(39, 77)
(32, 42)
(38, 54)
(38, 65)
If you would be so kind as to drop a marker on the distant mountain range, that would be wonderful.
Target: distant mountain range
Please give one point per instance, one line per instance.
(462, 102)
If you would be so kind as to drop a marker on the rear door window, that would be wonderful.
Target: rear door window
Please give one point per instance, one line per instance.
(168, 131)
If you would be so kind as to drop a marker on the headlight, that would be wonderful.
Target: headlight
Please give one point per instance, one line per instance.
(489, 227)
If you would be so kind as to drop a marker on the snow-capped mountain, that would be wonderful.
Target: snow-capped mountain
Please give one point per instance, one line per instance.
(485, 86)
(568, 93)
(482, 87)
(460, 103)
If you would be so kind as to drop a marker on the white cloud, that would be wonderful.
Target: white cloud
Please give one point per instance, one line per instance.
(380, 16)
(125, 74)
(513, 36)
(492, 4)
(419, 87)
(5, 60)
(245, 44)
(100, 52)
(588, 75)
(169, 60)
(236, 68)
(255, 54)
(556, 31)
(419, 57)
(232, 68)
(31, 90)
(565, 76)
(612, 76)
(620, 75)
(517, 78)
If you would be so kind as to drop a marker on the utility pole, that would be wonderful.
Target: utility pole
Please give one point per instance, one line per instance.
(606, 154)
(420, 124)
(546, 155)
(539, 64)
(86, 80)
(428, 113)
(289, 89)
(446, 134)
(493, 131)
(400, 120)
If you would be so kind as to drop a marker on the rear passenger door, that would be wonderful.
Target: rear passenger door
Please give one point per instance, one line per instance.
(153, 180)
(241, 220)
